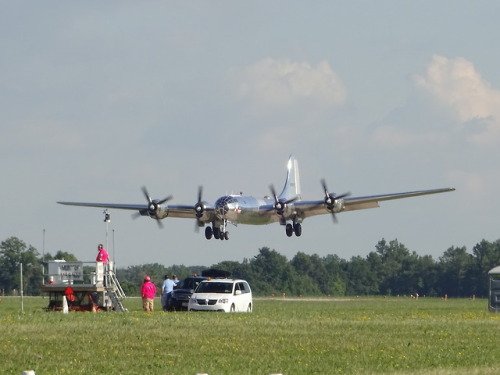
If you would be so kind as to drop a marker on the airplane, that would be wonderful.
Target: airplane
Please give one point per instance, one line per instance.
(287, 208)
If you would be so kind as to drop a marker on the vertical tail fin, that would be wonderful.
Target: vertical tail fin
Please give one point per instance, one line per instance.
(291, 190)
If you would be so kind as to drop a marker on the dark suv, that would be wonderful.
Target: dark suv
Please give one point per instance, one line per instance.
(181, 294)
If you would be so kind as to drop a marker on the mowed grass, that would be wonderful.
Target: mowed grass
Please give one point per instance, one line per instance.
(297, 336)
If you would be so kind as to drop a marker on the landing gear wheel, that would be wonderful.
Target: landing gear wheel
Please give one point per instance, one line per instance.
(216, 233)
(289, 230)
(208, 233)
(226, 236)
(297, 228)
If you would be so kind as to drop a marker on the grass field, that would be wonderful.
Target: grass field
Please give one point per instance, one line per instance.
(322, 336)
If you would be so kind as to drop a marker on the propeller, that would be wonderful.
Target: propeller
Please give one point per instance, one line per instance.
(280, 205)
(330, 200)
(152, 206)
(199, 209)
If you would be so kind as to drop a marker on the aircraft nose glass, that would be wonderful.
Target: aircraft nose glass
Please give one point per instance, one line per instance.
(221, 206)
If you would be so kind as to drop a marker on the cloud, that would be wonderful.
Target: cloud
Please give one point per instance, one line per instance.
(394, 137)
(274, 85)
(285, 103)
(455, 86)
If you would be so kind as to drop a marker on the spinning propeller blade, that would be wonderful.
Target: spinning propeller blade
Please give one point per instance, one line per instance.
(330, 200)
(152, 206)
(280, 205)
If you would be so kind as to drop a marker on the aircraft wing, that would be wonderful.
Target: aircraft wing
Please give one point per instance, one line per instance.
(119, 206)
(180, 211)
(312, 208)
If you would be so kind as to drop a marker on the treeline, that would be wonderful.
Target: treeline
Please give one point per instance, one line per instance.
(391, 269)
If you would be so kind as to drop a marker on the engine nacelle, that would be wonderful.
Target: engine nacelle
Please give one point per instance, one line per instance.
(199, 209)
(156, 211)
(338, 205)
(162, 212)
(334, 204)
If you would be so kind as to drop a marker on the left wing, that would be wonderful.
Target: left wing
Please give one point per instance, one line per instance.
(157, 209)
(136, 207)
(160, 212)
(312, 208)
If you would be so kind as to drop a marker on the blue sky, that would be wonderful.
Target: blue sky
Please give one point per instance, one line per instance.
(97, 100)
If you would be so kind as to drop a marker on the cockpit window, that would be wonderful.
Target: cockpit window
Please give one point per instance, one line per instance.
(225, 200)
(221, 205)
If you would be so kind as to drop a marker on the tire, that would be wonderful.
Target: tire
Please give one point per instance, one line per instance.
(297, 228)
(208, 233)
(289, 230)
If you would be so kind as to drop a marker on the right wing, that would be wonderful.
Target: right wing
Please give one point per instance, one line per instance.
(313, 208)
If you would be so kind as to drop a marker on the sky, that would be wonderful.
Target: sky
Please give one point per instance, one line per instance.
(99, 99)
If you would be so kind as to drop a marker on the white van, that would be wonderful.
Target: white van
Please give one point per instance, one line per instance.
(222, 295)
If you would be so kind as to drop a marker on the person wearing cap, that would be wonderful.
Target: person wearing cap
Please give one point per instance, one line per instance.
(148, 293)
(102, 255)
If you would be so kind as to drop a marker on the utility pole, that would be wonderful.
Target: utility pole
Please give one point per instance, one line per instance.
(107, 219)
(114, 252)
(22, 287)
(43, 258)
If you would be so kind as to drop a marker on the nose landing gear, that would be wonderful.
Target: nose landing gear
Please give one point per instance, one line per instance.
(219, 233)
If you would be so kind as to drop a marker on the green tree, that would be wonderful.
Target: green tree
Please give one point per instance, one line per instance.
(361, 279)
(274, 273)
(13, 252)
(136, 274)
(396, 269)
(318, 275)
(426, 276)
(486, 255)
(61, 255)
(454, 268)
(336, 285)
(238, 270)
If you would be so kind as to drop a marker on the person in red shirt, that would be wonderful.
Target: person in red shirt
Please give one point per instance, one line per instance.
(69, 294)
(148, 293)
(102, 256)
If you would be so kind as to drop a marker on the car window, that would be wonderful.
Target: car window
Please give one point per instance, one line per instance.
(243, 287)
(215, 287)
(189, 283)
(247, 287)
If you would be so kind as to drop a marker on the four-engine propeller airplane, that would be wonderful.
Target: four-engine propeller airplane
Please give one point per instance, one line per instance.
(287, 208)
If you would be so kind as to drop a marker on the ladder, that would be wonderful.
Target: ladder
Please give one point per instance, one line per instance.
(114, 290)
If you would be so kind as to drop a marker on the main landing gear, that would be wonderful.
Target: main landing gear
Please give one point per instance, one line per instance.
(293, 228)
(217, 233)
